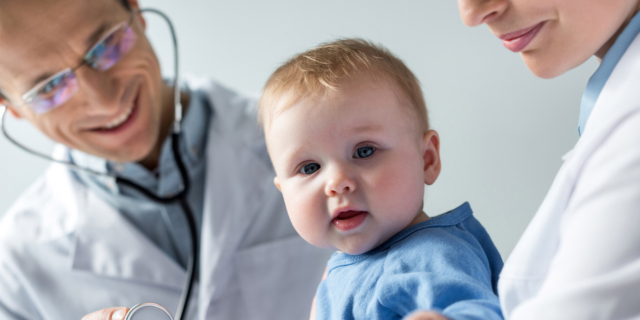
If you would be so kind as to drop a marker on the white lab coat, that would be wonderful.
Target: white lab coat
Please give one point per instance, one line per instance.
(64, 252)
(580, 256)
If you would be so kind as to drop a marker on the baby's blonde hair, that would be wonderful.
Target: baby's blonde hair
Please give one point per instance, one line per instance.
(326, 66)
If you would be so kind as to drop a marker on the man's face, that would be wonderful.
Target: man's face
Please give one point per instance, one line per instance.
(116, 113)
(350, 166)
(552, 36)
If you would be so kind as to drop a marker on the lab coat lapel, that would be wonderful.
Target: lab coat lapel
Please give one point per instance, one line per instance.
(107, 244)
(528, 264)
(232, 179)
(62, 215)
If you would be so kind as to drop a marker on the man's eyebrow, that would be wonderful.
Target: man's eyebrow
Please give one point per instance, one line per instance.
(89, 43)
(95, 35)
(40, 78)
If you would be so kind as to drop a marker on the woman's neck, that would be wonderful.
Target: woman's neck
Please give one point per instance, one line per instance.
(605, 48)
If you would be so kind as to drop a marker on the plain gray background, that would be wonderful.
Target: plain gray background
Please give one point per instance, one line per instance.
(503, 131)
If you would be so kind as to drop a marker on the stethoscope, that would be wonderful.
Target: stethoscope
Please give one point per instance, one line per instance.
(148, 310)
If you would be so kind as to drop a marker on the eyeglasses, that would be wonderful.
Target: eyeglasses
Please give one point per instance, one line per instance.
(57, 89)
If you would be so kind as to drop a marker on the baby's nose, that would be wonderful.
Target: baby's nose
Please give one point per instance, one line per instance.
(340, 183)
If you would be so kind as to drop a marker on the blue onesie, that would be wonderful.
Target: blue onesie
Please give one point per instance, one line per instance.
(446, 264)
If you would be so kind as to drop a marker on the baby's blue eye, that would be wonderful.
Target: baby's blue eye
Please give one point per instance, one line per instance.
(364, 152)
(310, 168)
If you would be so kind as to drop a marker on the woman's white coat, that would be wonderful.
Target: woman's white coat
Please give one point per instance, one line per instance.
(580, 256)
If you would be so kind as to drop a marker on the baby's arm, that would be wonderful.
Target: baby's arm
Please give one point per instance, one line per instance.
(454, 295)
(450, 278)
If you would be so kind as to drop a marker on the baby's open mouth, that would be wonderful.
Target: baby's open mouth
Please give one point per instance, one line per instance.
(348, 220)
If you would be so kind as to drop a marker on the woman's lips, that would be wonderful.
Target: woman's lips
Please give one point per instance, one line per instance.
(349, 220)
(518, 40)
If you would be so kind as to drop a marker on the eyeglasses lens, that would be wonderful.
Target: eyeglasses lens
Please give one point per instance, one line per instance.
(111, 49)
(53, 93)
(59, 88)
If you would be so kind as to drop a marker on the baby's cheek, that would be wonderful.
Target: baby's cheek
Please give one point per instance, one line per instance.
(305, 214)
(399, 182)
(399, 188)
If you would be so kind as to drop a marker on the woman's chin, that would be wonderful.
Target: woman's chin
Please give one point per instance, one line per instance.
(544, 70)
(550, 67)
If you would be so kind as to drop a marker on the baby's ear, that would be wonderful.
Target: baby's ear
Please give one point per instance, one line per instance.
(431, 156)
(275, 181)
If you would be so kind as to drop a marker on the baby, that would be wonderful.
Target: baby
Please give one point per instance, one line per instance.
(348, 134)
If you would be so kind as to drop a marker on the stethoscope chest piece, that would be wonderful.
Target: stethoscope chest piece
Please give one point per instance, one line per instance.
(148, 311)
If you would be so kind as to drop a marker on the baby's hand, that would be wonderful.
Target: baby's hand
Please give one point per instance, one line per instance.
(425, 315)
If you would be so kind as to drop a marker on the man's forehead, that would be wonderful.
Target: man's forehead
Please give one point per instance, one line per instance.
(38, 35)
(24, 13)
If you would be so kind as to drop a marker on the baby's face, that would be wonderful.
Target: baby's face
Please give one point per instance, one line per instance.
(351, 166)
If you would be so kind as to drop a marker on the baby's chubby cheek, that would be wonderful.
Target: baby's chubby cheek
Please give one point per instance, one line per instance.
(399, 188)
(307, 217)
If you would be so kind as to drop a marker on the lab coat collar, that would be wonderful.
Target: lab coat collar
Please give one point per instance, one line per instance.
(81, 214)
(94, 163)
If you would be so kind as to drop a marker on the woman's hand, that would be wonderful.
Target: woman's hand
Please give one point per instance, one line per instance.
(117, 313)
(425, 315)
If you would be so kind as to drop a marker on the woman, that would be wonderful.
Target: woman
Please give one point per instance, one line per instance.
(580, 256)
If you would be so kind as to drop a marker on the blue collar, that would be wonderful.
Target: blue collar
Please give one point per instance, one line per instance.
(600, 77)
(448, 219)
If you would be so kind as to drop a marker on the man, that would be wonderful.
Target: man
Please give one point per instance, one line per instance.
(84, 74)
